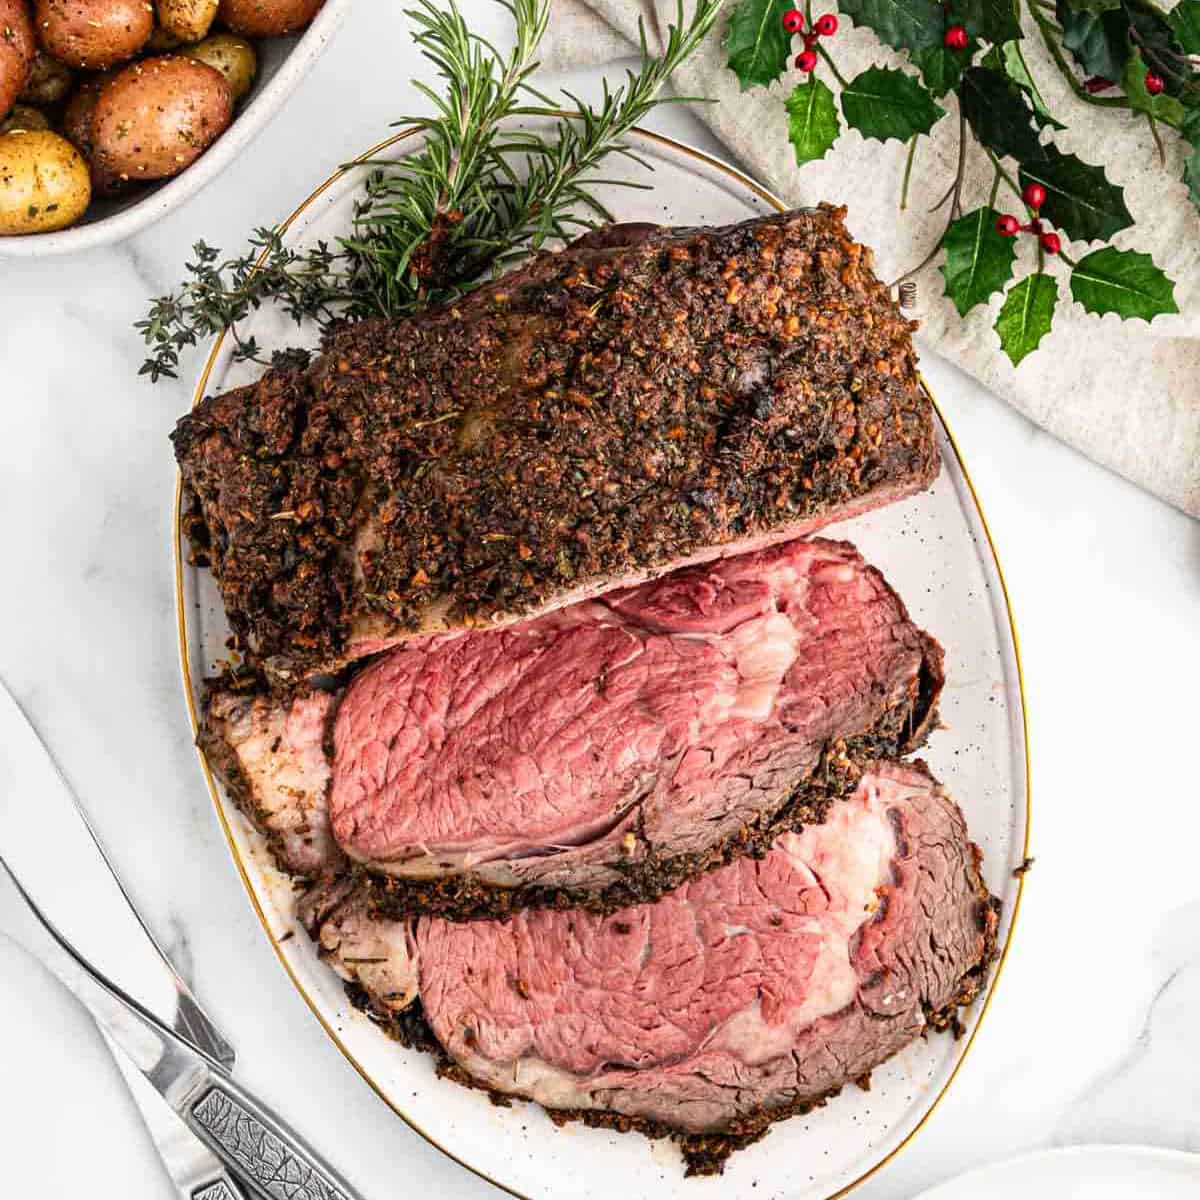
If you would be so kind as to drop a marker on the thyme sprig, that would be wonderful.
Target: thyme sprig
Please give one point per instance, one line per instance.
(480, 192)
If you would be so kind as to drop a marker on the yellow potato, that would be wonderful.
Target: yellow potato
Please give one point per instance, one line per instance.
(44, 182)
(158, 116)
(267, 18)
(49, 80)
(233, 56)
(93, 33)
(24, 117)
(17, 47)
(188, 20)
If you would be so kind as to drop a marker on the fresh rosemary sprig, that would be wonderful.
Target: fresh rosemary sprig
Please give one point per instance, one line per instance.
(480, 192)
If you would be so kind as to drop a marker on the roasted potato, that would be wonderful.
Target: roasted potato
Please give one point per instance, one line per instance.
(49, 80)
(24, 117)
(93, 33)
(188, 20)
(17, 48)
(156, 117)
(160, 41)
(233, 56)
(44, 182)
(77, 129)
(267, 18)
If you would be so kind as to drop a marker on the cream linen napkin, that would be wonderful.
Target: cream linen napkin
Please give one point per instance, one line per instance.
(1126, 394)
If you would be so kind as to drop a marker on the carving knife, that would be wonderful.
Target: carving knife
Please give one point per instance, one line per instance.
(207, 1129)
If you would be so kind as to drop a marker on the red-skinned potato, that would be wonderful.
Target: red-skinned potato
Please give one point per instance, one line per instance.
(77, 129)
(93, 33)
(157, 116)
(49, 80)
(17, 46)
(267, 18)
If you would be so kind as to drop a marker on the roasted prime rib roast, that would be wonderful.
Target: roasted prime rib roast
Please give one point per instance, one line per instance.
(646, 398)
(584, 748)
(751, 993)
(597, 755)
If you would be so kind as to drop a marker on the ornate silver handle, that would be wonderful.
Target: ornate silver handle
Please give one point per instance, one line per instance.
(255, 1146)
(215, 1191)
(262, 1152)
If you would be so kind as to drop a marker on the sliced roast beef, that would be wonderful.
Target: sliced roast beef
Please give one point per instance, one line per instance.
(272, 758)
(603, 753)
(748, 994)
(634, 403)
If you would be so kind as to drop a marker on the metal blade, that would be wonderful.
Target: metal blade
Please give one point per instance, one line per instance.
(49, 842)
(255, 1145)
(161, 1070)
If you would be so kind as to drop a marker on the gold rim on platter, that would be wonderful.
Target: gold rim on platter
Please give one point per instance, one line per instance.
(189, 693)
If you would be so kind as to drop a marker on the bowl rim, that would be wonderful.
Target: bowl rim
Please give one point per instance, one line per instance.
(175, 192)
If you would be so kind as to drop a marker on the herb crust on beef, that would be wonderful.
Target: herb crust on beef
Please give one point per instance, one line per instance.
(643, 398)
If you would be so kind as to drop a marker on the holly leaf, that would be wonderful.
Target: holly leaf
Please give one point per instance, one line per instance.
(1161, 107)
(1157, 42)
(1191, 165)
(902, 24)
(813, 124)
(1185, 23)
(1095, 6)
(1191, 176)
(1124, 282)
(1009, 60)
(883, 103)
(1099, 42)
(993, 20)
(1026, 316)
(1080, 200)
(979, 261)
(941, 68)
(997, 111)
(757, 43)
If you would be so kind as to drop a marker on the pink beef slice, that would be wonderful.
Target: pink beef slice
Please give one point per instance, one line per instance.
(747, 994)
(587, 747)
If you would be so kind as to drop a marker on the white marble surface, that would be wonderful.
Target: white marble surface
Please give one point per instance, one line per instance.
(1092, 1034)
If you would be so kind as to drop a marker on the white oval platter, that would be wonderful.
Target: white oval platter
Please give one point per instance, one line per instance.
(936, 551)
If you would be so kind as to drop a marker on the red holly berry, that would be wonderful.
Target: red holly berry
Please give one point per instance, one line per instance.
(957, 37)
(806, 60)
(1034, 195)
(1154, 83)
(1007, 225)
(793, 20)
(1051, 242)
(826, 25)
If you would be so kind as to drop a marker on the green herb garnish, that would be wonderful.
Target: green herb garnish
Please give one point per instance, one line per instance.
(1128, 57)
(481, 192)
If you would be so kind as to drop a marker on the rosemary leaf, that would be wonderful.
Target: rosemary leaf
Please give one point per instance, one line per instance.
(479, 193)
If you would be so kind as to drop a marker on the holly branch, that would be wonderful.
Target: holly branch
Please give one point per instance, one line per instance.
(1125, 55)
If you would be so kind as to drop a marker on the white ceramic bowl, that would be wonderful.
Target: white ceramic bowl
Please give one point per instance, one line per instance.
(282, 63)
